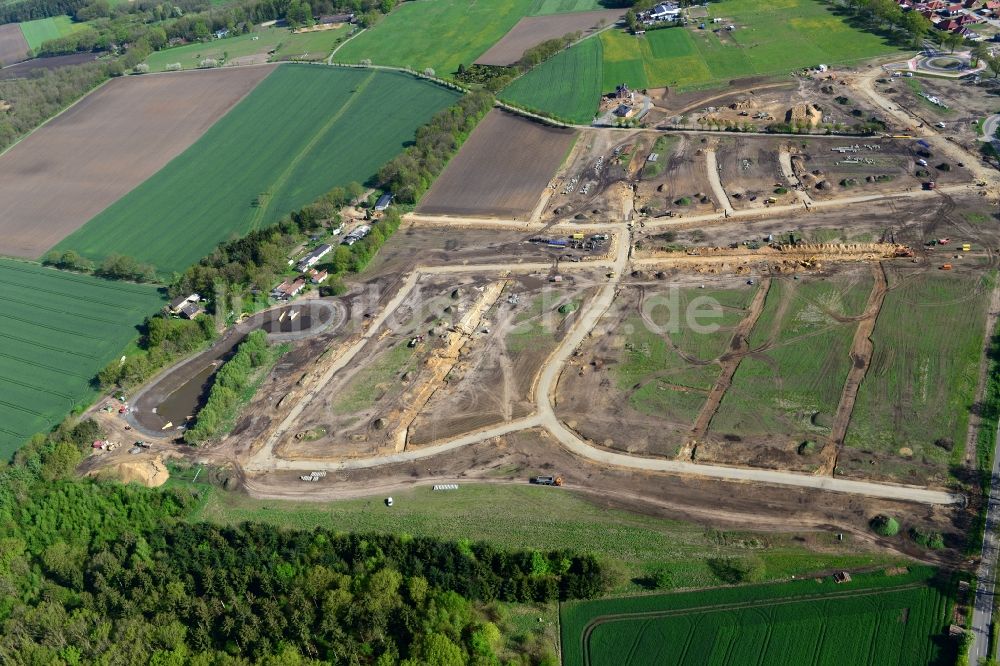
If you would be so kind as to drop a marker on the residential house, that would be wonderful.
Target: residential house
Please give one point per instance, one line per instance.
(287, 290)
(313, 257)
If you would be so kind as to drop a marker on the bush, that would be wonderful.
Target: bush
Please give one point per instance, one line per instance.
(884, 525)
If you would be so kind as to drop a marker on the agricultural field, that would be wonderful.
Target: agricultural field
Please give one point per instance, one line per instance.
(42, 30)
(788, 390)
(548, 7)
(441, 35)
(254, 47)
(58, 330)
(13, 47)
(534, 30)
(567, 86)
(501, 170)
(873, 619)
(103, 146)
(910, 418)
(769, 39)
(336, 126)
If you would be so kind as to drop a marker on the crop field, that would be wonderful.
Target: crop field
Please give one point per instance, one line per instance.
(792, 385)
(109, 142)
(245, 49)
(13, 47)
(58, 329)
(501, 170)
(567, 86)
(547, 7)
(440, 34)
(874, 619)
(769, 39)
(922, 377)
(326, 126)
(534, 30)
(42, 30)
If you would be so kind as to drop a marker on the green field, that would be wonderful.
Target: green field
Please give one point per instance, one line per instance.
(923, 375)
(508, 515)
(42, 30)
(303, 130)
(672, 369)
(546, 7)
(793, 387)
(440, 34)
(58, 330)
(567, 86)
(874, 619)
(304, 45)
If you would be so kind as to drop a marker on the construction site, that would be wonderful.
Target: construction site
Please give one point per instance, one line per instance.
(730, 327)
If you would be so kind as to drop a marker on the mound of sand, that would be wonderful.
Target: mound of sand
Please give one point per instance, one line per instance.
(148, 471)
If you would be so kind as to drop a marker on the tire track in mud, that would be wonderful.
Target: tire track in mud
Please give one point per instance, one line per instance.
(740, 346)
(861, 356)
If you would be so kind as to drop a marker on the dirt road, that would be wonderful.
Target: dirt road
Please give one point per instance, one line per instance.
(712, 167)
(785, 160)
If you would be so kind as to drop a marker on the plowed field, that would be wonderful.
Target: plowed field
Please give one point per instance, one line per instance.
(501, 170)
(534, 30)
(98, 150)
(13, 47)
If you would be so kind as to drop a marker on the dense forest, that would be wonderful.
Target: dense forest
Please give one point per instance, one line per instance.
(95, 572)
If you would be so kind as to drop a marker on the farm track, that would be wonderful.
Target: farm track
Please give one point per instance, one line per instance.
(861, 356)
(729, 363)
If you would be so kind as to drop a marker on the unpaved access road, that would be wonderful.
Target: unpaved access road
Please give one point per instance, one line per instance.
(264, 460)
(712, 167)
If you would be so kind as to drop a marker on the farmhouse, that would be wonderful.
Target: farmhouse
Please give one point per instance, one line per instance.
(317, 277)
(176, 306)
(665, 11)
(310, 259)
(191, 310)
(287, 290)
(330, 19)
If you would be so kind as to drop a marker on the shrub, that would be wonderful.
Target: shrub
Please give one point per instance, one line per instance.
(884, 525)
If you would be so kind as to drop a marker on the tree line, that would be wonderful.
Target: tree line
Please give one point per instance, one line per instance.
(409, 174)
(96, 572)
(230, 386)
(164, 340)
(494, 78)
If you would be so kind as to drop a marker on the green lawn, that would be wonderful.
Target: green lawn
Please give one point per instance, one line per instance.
(568, 86)
(509, 515)
(924, 371)
(42, 30)
(305, 45)
(440, 34)
(874, 619)
(57, 331)
(794, 387)
(303, 130)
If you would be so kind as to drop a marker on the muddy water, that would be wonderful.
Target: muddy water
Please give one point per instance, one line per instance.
(188, 399)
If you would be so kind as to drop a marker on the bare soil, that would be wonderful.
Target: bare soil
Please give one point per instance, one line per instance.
(13, 47)
(118, 136)
(24, 69)
(533, 30)
(501, 170)
(683, 187)
(751, 173)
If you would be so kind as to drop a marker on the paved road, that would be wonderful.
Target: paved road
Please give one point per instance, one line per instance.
(982, 613)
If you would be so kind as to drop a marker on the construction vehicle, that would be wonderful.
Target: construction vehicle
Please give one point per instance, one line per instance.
(946, 267)
(943, 241)
(547, 480)
(930, 185)
(966, 247)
